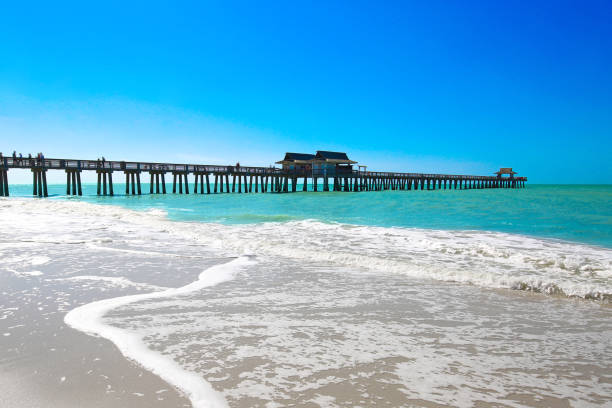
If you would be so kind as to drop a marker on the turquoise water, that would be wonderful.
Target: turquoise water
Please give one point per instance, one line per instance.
(581, 213)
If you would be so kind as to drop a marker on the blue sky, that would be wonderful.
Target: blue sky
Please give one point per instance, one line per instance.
(440, 86)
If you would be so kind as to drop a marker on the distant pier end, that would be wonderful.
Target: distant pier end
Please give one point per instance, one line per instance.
(323, 166)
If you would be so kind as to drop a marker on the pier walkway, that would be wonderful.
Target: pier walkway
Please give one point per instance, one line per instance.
(236, 179)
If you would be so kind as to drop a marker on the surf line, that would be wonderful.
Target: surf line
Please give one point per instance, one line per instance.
(88, 319)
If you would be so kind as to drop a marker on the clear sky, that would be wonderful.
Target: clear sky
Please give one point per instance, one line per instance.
(440, 86)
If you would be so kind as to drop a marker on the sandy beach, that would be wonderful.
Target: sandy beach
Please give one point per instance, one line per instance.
(254, 330)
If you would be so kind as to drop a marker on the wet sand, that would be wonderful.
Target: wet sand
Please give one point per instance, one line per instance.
(44, 363)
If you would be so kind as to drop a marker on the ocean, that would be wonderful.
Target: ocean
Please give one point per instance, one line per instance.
(493, 297)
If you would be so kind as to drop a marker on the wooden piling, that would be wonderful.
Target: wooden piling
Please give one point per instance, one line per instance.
(40, 183)
(110, 183)
(44, 180)
(35, 182)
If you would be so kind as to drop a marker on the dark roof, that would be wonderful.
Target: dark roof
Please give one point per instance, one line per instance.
(298, 156)
(322, 154)
(505, 170)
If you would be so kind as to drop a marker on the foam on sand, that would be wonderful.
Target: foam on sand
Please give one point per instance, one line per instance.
(483, 258)
(88, 319)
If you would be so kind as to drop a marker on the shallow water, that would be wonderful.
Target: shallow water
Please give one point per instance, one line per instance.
(581, 213)
(311, 312)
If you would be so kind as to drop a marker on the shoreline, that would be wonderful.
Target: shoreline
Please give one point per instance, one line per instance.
(88, 319)
(245, 237)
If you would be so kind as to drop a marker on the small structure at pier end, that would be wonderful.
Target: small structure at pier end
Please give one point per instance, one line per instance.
(510, 180)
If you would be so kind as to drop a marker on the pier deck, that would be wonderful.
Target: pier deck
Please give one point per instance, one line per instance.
(236, 179)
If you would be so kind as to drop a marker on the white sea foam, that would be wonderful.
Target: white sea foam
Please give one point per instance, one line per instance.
(120, 281)
(88, 319)
(487, 259)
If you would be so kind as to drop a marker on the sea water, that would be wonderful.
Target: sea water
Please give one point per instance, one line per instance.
(396, 298)
(580, 213)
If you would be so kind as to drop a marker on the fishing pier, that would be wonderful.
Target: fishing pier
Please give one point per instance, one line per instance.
(325, 171)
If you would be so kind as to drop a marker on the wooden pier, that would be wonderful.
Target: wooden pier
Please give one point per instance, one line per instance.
(239, 179)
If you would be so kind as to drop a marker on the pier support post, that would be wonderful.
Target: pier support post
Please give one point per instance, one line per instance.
(34, 182)
(186, 183)
(325, 184)
(173, 183)
(1, 182)
(4, 188)
(44, 179)
(79, 187)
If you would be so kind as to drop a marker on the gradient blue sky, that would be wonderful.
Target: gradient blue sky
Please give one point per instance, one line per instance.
(444, 86)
